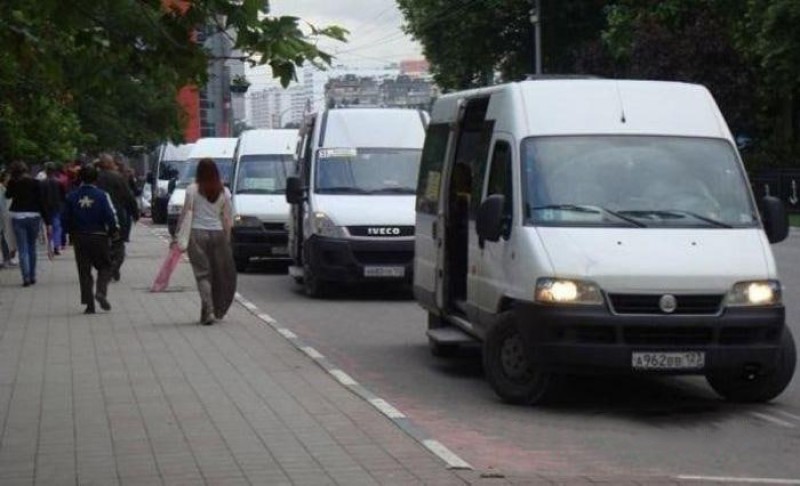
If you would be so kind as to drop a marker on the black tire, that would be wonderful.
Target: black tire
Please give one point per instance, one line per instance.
(439, 350)
(736, 387)
(507, 365)
(313, 286)
(241, 264)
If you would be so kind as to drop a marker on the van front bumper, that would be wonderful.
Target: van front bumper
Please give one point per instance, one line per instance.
(352, 260)
(593, 340)
(267, 241)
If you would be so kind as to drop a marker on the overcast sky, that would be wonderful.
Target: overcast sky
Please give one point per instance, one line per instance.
(375, 39)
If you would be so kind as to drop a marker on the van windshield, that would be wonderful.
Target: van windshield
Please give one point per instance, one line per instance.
(367, 171)
(189, 170)
(263, 174)
(634, 181)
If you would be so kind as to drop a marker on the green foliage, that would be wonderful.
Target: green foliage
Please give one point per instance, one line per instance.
(468, 41)
(104, 74)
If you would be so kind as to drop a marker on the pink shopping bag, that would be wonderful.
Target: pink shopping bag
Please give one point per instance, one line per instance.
(169, 265)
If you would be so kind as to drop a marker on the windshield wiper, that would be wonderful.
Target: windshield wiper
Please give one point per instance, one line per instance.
(394, 190)
(673, 214)
(341, 190)
(582, 208)
(718, 224)
(258, 191)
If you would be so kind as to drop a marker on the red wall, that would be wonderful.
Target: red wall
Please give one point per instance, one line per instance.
(188, 97)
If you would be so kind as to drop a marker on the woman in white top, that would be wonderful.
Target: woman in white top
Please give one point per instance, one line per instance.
(209, 246)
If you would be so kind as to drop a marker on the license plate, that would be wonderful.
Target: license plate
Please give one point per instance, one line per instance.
(280, 250)
(388, 272)
(689, 360)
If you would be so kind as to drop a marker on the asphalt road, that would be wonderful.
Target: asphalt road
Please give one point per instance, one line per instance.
(638, 426)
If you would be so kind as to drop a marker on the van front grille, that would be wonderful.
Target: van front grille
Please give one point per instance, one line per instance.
(649, 304)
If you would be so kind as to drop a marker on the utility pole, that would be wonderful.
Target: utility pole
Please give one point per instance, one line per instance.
(536, 22)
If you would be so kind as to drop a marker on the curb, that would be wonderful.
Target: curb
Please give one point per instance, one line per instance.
(451, 460)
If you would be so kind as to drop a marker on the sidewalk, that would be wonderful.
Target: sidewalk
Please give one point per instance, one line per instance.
(143, 395)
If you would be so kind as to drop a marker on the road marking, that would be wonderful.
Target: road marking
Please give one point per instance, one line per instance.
(267, 318)
(343, 378)
(788, 415)
(311, 352)
(727, 479)
(445, 454)
(771, 419)
(287, 333)
(386, 408)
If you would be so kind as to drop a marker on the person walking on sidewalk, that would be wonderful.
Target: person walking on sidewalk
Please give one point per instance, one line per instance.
(55, 196)
(92, 224)
(208, 204)
(28, 210)
(125, 206)
(8, 245)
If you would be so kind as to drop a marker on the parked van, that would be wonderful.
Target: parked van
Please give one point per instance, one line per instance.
(353, 197)
(263, 161)
(598, 226)
(219, 149)
(169, 161)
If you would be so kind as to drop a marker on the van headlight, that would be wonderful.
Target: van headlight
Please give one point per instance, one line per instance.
(568, 292)
(759, 293)
(246, 221)
(324, 226)
(174, 209)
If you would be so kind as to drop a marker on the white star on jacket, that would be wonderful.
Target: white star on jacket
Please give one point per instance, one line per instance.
(86, 202)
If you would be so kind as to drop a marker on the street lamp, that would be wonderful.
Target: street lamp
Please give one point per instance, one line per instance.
(535, 18)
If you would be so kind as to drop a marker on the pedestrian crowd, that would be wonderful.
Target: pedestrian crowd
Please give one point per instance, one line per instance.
(92, 207)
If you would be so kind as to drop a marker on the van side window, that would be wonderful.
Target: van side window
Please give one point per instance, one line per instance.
(474, 138)
(500, 175)
(430, 171)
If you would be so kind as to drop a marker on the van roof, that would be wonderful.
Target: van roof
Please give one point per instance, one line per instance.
(174, 152)
(373, 128)
(216, 148)
(595, 106)
(267, 142)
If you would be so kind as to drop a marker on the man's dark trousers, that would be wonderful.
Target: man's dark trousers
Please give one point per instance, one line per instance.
(92, 250)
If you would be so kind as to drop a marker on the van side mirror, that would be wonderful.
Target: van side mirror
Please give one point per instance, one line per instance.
(775, 219)
(490, 222)
(171, 185)
(295, 193)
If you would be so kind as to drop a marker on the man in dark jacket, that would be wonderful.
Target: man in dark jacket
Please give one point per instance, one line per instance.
(90, 220)
(55, 196)
(125, 206)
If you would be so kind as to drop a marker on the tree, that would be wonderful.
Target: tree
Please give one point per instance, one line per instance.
(105, 73)
(680, 40)
(468, 41)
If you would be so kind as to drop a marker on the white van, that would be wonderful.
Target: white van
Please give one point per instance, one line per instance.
(353, 197)
(169, 161)
(263, 160)
(221, 151)
(598, 226)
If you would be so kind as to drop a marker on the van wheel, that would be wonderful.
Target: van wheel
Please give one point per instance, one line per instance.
(736, 386)
(241, 264)
(313, 286)
(507, 364)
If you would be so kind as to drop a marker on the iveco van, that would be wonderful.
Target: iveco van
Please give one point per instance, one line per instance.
(221, 151)
(263, 160)
(352, 200)
(598, 226)
(169, 161)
